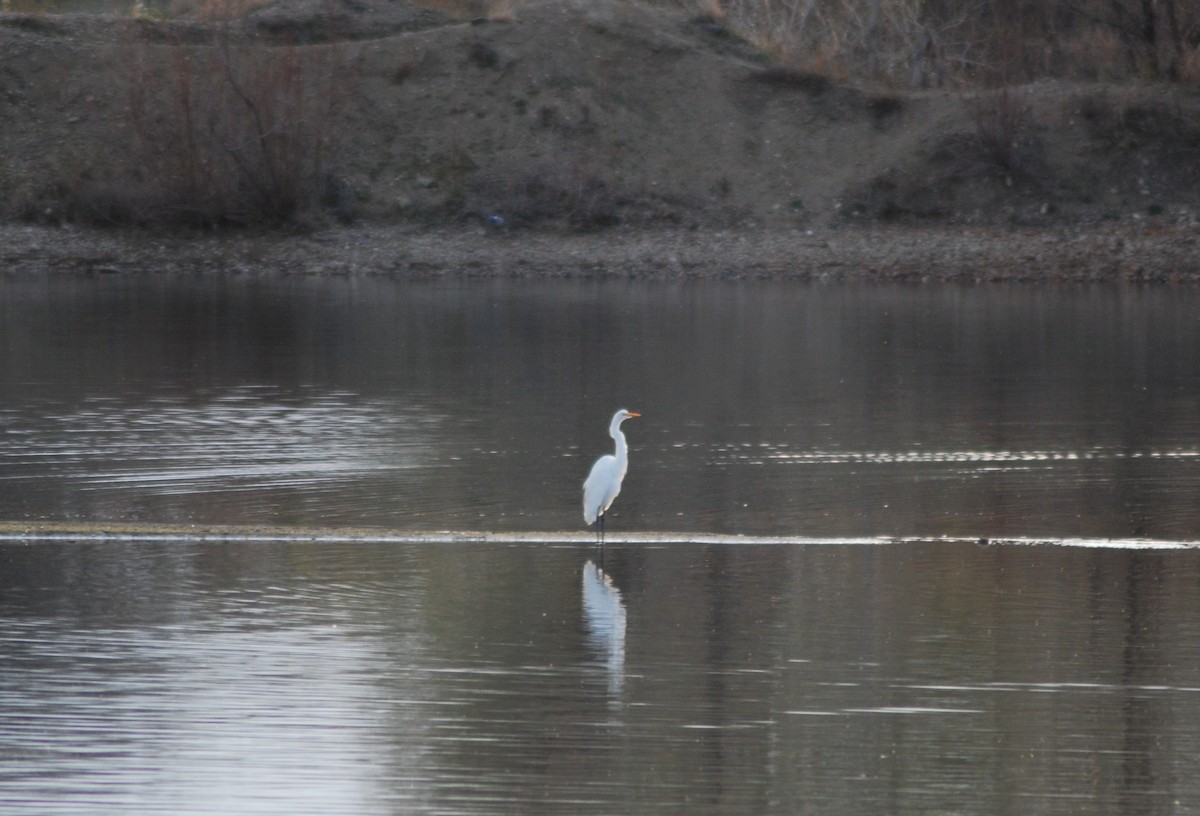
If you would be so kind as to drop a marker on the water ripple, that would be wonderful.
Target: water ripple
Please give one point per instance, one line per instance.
(243, 440)
(764, 452)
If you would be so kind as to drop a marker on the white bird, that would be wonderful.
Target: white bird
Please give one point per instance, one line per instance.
(604, 482)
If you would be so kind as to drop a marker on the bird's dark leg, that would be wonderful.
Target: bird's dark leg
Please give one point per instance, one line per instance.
(600, 540)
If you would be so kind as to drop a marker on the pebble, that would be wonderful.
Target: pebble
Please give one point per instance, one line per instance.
(1110, 251)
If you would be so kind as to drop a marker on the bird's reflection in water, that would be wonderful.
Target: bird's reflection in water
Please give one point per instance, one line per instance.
(604, 614)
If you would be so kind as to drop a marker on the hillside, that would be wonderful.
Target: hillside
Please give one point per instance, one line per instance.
(571, 118)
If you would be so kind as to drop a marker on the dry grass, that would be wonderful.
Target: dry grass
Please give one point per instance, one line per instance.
(917, 43)
(26, 6)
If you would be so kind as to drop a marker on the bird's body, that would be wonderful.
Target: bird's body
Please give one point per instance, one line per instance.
(604, 482)
(602, 486)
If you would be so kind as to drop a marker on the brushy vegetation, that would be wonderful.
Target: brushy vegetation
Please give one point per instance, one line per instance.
(933, 43)
(926, 43)
(220, 133)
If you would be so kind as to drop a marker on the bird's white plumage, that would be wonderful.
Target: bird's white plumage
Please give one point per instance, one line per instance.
(602, 486)
(604, 482)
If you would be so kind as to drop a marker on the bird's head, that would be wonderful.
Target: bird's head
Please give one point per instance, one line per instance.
(614, 427)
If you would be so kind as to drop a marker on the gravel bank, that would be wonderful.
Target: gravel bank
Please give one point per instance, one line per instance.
(1132, 252)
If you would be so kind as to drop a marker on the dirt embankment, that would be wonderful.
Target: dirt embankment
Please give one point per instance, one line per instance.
(586, 138)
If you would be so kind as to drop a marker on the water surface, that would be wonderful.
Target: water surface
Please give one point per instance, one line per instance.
(309, 678)
(792, 410)
(685, 671)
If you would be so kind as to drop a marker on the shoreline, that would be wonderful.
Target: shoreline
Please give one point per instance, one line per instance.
(107, 532)
(1132, 252)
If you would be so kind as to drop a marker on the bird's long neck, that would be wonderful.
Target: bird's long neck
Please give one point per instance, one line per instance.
(622, 452)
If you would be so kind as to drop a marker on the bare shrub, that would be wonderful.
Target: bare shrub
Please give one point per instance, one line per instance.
(1160, 140)
(931, 43)
(1159, 37)
(1002, 142)
(1003, 134)
(1092, 54)
(883, 108)
(889, 40)
(35, 7)
(225, 132)
(482, 55)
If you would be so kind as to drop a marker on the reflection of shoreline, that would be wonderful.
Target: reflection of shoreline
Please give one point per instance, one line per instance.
(604, 614)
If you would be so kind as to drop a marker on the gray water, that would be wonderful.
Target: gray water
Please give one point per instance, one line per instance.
(684, 670)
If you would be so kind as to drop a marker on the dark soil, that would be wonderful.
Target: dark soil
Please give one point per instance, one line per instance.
(586, 137)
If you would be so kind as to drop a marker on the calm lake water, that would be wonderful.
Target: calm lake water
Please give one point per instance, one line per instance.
(686, 671)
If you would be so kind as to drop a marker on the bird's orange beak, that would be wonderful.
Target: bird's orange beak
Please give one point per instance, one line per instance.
(634, 413)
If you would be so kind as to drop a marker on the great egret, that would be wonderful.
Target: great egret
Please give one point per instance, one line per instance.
(604, 482)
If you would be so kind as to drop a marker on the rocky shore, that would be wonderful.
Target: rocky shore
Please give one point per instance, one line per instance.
(1146, 252)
